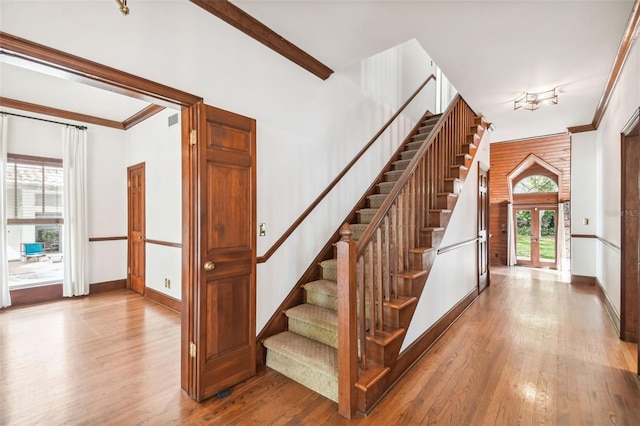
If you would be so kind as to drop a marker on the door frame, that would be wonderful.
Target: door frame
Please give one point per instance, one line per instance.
(629, 291)
(536, 208)
(130, 221)
(483, 214)
(97, 75)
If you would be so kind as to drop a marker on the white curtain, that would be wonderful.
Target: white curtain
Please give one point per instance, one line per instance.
(511, 237)
(75, 235)
(562, 260)
(5, 298)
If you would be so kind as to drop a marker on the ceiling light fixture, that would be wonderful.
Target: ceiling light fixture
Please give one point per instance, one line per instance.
(122, 6)
(533, 101)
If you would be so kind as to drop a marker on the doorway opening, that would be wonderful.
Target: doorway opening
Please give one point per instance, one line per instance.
(539, 221)
(536, 236)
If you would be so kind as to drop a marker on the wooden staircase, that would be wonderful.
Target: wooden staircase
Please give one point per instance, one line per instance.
(344, 347)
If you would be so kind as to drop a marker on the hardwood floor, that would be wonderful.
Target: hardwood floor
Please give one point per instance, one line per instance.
(529, 350)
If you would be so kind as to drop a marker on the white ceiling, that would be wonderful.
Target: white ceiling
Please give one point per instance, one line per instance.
(492, 51)
(17, 82)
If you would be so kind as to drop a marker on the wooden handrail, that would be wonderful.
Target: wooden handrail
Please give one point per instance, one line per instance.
(314, 204)
(457, 245)
(376, 221)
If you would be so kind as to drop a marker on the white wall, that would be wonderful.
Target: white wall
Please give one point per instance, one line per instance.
(107, 187)
(623, 104)
(157, 145)
(454, 273)
(584, 181)
(307, 129)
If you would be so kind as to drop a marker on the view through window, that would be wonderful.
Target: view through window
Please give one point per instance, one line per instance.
(34, 220)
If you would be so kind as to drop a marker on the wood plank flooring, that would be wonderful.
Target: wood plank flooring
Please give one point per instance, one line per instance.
(531, 350)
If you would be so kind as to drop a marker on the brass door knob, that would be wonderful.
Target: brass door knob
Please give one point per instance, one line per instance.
(209, 266)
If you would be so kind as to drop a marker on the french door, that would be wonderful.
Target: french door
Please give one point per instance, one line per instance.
(536, 232)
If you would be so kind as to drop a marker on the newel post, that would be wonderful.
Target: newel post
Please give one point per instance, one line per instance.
(347, 320)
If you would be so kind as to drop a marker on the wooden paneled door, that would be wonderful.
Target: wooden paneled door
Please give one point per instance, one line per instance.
(484, 276)
(136, 228)
(222, 313)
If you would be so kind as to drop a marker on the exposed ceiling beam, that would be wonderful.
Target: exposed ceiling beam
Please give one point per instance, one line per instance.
(136, 118)
(246, 23)
(55, 112)
(580, 129)
(631, 31)
(141, 115)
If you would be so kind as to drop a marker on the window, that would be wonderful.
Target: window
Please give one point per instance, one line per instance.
(535, 183)
(35, 207)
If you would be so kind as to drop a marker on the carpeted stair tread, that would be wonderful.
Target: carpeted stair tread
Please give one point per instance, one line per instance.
(323, 293)
(376, 200)
(314, 314)
(401, 164)
(309, 363)
(329, 269)
(313, 353)
(386, 187)
(365, 215)
(357, 230)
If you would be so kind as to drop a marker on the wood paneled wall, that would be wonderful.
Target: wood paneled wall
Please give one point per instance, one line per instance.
(505, 157)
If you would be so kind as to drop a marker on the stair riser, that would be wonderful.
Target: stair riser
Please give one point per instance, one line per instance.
(412, 287)
(376, 200)
(439, 219)
(458, 172)
(365, 217)
(398, 318)
(314, 332)
(357, 229)
(464, 160)
(325, 385)
(453, 186)
(431, 238)
(385, 187)
(329, 271)
(321, 299)
(384, 355)
(393, 175)
(415, 145)
(446, 201)
(401, 164)
(425, 130)
(407, 155)
(421, 261)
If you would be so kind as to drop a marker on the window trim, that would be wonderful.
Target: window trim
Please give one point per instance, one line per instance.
(35, 161)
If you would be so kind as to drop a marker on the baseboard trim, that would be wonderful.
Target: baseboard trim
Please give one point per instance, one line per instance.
(108, 286)
(613, 315)
(33, 295)
(53, 292)
(163, 299)
(583, 280)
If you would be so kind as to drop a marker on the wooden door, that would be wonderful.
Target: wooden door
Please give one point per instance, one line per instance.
(483, 228)
(223, 315)
(136, 226)
(630, 227)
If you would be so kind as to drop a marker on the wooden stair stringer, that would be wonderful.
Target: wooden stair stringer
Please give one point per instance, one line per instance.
(413, 283)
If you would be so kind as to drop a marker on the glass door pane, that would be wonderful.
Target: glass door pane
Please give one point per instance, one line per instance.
(523, 235)
(547, 236)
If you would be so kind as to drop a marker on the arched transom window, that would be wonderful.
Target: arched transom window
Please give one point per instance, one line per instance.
(535, 183)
